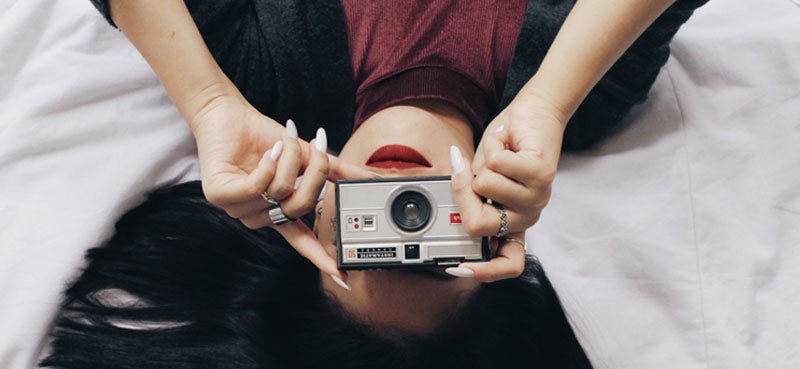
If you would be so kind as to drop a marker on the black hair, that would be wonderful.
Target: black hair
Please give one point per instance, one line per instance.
(182, 285)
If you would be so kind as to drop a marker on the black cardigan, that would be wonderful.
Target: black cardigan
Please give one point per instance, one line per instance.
(290, 59)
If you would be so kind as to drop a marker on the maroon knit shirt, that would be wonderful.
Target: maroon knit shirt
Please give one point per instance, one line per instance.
(456, 51)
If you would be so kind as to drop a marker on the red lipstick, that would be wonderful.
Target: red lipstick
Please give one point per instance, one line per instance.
(397, 157)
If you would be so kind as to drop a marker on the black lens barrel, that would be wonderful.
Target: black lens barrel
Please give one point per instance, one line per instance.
(411, 211)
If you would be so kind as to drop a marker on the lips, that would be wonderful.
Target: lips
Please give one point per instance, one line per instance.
(397, 157)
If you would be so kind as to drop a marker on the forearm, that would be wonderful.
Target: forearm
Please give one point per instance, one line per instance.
(595, 34)
(165, 34)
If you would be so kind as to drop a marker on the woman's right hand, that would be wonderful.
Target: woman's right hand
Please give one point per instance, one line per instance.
(232, 138)
(234, 143)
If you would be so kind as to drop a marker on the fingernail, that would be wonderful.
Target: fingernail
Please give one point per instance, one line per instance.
(322, 140)
(377, 175)
(456, 160)
(291, 129)
(276, 150)
(460, 272)
(501, 128)
(340, 282)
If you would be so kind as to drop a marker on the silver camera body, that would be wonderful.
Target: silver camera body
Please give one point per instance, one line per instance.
(402, 222)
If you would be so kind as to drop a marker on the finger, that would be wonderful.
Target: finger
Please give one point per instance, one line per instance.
(478, 160)
(530, 167)
(303, 240)
(509, 192)
(509, 263)
(538, 145)
(470, 205)
(341, 169)
(229, 191)
(304, 198)
(247, 209)
(257, 220)
(517, 221)
(478, 217)
(502, 160)
(522, 154)
(291, 131)
(494, 132)
(289, 164)
(542, 136)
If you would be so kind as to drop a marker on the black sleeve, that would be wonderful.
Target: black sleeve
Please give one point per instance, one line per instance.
(230, 30)
(626, 84)
(290, 59)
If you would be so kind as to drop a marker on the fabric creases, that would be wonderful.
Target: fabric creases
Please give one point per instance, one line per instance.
(291, 59)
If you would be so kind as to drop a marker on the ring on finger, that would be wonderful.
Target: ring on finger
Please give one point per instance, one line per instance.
(515, 240)
(503, 220)
(277, 216)
(269, 199)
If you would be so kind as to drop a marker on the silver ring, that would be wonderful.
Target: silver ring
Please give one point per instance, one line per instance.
(269, 199)
(277, 216)
(521, 242)
(503, 220)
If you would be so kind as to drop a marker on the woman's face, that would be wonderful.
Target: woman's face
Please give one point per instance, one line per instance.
(411, 301)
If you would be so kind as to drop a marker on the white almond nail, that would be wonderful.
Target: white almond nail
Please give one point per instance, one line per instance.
(456, 160)
(291, 129)
(460, 272)
(340, 282)
(322, 140)
(276, 150)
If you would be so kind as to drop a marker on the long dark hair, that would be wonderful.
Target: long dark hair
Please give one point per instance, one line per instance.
(182, 285)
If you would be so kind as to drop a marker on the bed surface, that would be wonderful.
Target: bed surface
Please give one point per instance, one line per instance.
(675, 244)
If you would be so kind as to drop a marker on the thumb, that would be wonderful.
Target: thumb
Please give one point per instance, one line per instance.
(340, 169)
(462, 173)
(470, 204)
(479, 160)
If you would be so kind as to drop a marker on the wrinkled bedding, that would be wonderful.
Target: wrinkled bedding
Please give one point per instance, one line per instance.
(674, 244)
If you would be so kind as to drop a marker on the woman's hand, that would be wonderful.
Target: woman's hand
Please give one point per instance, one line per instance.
(244, 154)
(232, 137)
(514, 166)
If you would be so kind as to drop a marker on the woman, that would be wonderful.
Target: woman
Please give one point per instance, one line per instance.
(182, 285)
(294, 68)
(235, 68)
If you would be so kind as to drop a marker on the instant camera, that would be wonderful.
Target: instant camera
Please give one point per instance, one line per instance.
(402, 223)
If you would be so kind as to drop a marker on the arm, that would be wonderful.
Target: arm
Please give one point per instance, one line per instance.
(571, 67)
(233, 138)
(166, 35)
(521, 147)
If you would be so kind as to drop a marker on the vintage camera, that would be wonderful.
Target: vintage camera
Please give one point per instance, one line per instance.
(402, 222)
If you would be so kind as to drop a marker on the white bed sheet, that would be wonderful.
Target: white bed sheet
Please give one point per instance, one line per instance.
(673, 245)
(85, 131)
(677, 243)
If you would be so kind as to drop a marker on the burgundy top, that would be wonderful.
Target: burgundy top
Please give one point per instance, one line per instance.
(456, 51)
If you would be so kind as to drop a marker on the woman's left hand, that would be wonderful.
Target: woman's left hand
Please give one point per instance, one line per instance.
(514, 166)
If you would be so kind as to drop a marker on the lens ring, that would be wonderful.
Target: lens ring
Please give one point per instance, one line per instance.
(411, 211)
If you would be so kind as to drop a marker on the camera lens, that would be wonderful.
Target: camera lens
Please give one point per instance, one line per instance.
(411, 211)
